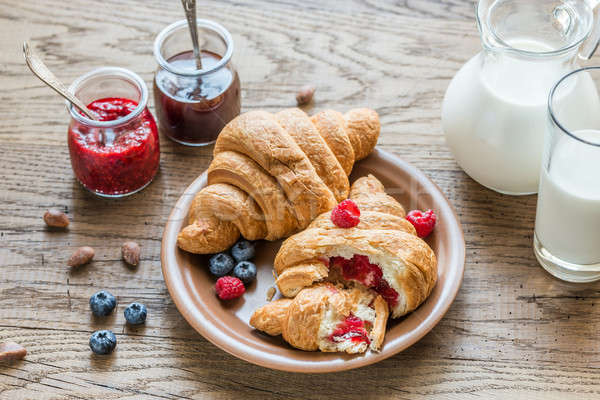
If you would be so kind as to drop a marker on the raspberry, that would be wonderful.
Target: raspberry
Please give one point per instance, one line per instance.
(422, 221)
(229, 287)
(346, 214)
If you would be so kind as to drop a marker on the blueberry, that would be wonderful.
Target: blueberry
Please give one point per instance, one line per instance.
(103, 342)
(242, 250)
(102, 303)
(245, 271)
(135, 313)
(220, 264)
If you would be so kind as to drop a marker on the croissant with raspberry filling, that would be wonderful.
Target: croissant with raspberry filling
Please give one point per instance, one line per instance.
(382, 252)
(328, 318)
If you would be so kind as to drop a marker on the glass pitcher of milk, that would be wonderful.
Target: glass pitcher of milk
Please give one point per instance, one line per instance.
(494, 111)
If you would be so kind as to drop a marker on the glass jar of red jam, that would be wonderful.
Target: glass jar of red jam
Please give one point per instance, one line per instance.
(118, 154)
(193, 105)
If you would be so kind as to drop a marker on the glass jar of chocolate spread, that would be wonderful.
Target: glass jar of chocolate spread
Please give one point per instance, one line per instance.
(193, 104)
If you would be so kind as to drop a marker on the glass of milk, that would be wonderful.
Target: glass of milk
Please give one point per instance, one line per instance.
(567, 224)
(494, 110)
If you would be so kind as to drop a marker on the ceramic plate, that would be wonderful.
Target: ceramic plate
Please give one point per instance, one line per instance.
(226, 323)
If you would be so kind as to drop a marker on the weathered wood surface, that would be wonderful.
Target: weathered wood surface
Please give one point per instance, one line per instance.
(513, 331)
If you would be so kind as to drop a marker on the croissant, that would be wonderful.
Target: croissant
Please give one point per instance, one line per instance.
(327, 318)
(382, 252)
(272, 174)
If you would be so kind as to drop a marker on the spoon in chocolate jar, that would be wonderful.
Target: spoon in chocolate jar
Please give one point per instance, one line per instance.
(39, 69)
(189, 6)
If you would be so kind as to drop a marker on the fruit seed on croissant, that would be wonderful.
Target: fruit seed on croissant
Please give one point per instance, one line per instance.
(81, 256)
(56, 218)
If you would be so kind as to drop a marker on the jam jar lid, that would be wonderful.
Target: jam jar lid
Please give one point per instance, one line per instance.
(106, 74)
(202, 23)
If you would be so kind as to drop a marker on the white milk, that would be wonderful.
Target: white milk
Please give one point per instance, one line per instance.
(568, 211)
(495, 116)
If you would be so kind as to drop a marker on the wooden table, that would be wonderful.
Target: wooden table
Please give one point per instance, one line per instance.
(513, 331)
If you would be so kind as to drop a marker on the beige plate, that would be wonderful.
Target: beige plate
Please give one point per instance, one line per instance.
(226, 323)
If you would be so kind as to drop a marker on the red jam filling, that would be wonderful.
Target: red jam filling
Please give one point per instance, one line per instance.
(359, 269)
(352, 328)
(116, 160)
(111, 108)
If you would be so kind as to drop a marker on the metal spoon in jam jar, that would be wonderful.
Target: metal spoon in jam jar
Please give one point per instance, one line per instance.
(39, 69)
(189, 6)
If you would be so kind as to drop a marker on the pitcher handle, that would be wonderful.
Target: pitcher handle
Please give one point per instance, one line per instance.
(590, 45)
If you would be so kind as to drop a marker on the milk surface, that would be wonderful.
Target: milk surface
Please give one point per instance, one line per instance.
(568, 211)
(495, 116)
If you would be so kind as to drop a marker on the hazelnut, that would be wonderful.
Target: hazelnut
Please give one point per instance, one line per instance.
(131, 253)
(56, 218)
(305, 95)
(12, 351)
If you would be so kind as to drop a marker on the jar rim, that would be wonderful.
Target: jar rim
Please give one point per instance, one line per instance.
(205, 23)
(110, 71)
(551, 107)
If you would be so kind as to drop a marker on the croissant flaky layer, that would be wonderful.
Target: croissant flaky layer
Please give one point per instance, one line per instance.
(272, 174)
(342, 284)
(382, 251)
(327, 317)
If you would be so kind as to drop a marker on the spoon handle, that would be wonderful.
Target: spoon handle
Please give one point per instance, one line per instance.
(189, 6)
(39, 69)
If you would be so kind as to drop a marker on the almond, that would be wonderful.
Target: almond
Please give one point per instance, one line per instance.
(56, 218)
(305, 95)
(82, 255)
(270, 293)
(12, 351)
(131, 253)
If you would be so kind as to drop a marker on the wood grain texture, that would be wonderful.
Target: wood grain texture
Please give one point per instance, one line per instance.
(513, 331)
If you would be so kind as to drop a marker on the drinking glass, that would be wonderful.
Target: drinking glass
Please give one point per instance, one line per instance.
(567, 224)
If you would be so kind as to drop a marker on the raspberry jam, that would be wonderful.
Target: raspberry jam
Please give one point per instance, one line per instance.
(352, 328)
(359, 269)
(112, 108)
(114, 159)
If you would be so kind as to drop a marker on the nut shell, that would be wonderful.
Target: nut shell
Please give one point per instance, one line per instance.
(12, 351)
(305, 95)
(131, 253)
(56, 218)
(81, 256)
